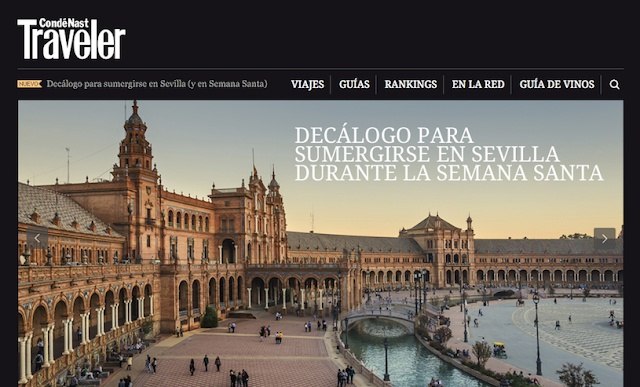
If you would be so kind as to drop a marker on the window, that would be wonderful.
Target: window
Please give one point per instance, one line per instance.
(148, 240)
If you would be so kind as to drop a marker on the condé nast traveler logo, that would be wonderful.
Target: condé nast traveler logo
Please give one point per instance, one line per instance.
(65, 38)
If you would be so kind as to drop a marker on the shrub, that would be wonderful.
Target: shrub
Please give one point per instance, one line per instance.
(210, 319)
(147, 327)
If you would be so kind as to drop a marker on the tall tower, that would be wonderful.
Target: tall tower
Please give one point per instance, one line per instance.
(274, 199)
(135, 169)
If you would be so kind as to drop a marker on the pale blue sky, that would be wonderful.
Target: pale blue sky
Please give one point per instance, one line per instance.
(196, 143)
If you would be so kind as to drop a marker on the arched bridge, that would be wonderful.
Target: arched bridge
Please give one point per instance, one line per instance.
(404, 318)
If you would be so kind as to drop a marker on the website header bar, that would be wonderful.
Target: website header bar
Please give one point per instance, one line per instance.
(320, 84)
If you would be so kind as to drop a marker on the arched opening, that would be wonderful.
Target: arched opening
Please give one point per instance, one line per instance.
(212, 293)
(257, 291)
(195, 297)
(135, 310)
(108, 311)
(232, 290)
(183, 298)
(147, 300)
(94, 303)
(275, 291)
(222, 293)
(228, 248)
(240, 291)
(78, 309)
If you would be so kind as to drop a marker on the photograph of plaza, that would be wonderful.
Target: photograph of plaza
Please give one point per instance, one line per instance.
(383, 220)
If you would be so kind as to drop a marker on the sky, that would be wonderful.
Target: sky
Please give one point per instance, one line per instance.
(198, 143)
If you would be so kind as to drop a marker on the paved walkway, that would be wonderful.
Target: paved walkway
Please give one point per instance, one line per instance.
(588, 339)
(311, 358)
(303, 358)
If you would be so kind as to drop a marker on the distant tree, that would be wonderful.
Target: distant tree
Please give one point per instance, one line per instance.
(586, 291)
(576, 236)
(444, 334)
(552, 290)
(210, 319)
(482, 350)
(575, 376)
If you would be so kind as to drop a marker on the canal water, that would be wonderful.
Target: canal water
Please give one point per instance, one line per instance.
(410, 364)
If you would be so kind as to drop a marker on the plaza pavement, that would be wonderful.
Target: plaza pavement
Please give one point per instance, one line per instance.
(311, 358)
(303, 358)
(588, 339)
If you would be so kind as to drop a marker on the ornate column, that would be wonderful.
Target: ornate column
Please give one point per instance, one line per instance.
(51, 358)
(69, 334)
(266, 297)
(235, 253)
(151, 305)
(22, 371)
(284, 298)
(84, 324)
(114, 317)
(141, 308)
(100, 321)
(220, 254)
(249, 290)
(45, 338)
(65, 331)
(321, 300)
(127, 311)
(28, 365)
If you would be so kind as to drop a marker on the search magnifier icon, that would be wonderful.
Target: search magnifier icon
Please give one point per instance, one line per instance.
(614, 84)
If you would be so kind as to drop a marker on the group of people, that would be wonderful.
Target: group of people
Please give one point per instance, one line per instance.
(240, 379)
(125, 382)
(231, 327)
(205, 361)
(265, 331)
(532, 381)
(151, 364)
(435, 383)
(279, 336)
(464, 352)
(345, 376)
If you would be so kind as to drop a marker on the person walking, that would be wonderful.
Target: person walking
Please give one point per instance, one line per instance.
(245, 378)
(129, 362)
(233, 378)
(233, 327)
(569, 319)
(205, 361)
(217, 363)
(339, 378)
(192, 367)
(181, 331)
(239, 379)
(177, 331)
(154, 363)
(147, 363)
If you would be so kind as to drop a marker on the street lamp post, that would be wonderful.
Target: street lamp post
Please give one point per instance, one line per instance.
(416, 277)
(536, 300)
(424, 285)
(386, 368)
(464, 321)
(461, 306)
